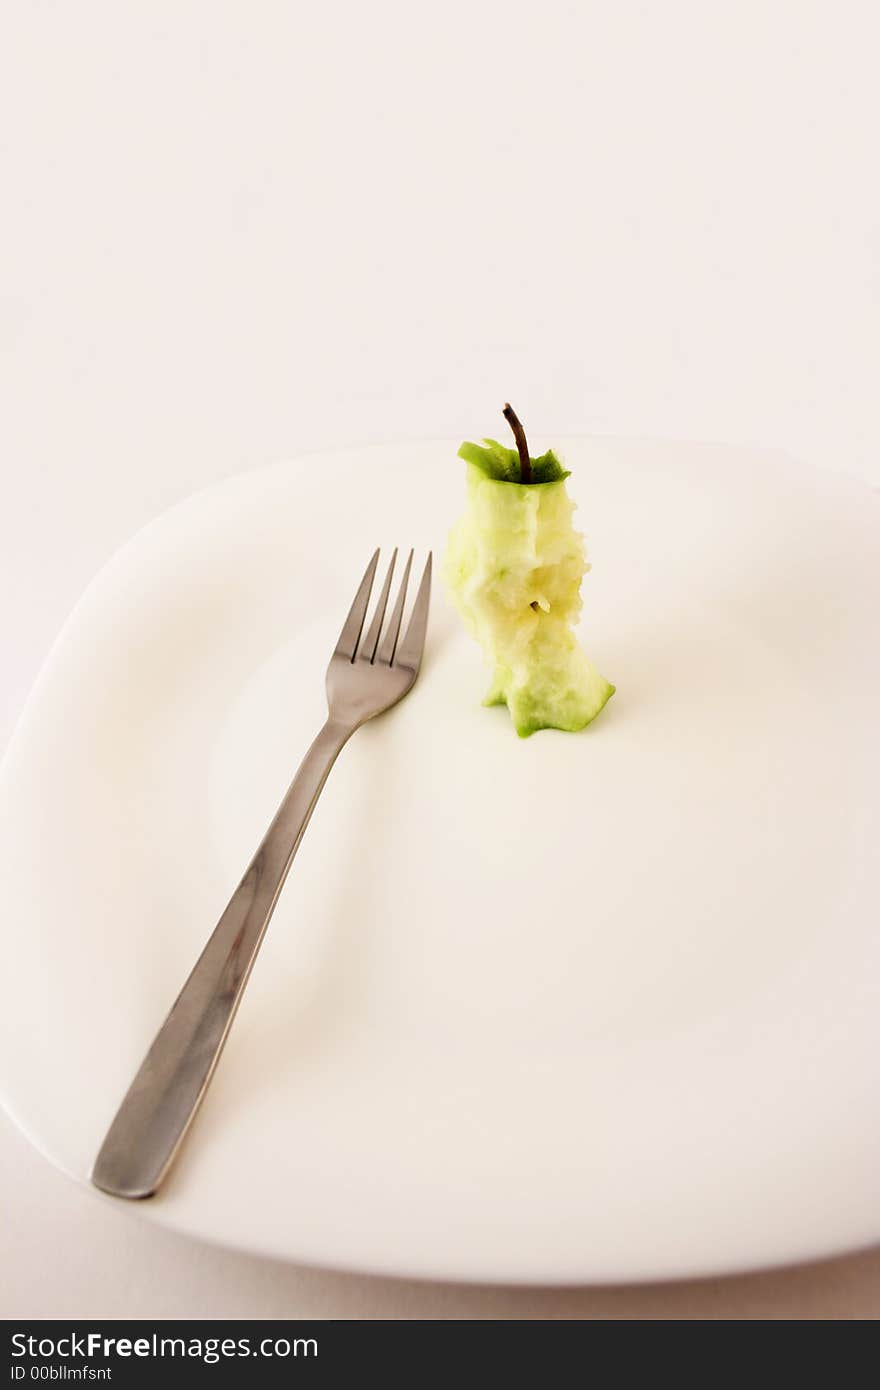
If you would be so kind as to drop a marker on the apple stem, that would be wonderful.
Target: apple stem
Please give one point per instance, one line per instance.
(519, 434)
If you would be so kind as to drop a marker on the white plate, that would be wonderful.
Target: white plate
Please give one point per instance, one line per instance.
(581, 1007)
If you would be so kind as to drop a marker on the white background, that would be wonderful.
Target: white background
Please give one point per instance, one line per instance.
(230, 232)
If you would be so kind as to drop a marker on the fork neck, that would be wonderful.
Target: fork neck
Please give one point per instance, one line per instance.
(336, 732)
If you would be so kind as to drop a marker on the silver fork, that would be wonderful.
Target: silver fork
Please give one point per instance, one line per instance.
(366, 676)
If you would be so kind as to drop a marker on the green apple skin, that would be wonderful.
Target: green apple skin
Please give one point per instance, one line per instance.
(513, 568)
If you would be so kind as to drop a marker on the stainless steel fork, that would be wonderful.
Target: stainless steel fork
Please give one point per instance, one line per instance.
(367, 675)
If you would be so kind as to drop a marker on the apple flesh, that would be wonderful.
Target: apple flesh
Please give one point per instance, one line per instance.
(513, 568)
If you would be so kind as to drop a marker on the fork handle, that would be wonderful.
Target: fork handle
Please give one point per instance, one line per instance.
(166, 1092)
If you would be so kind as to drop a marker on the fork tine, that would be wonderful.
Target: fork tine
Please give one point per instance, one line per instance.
(389, 641)
(350, 634)
(409, 653)
(367, 646)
